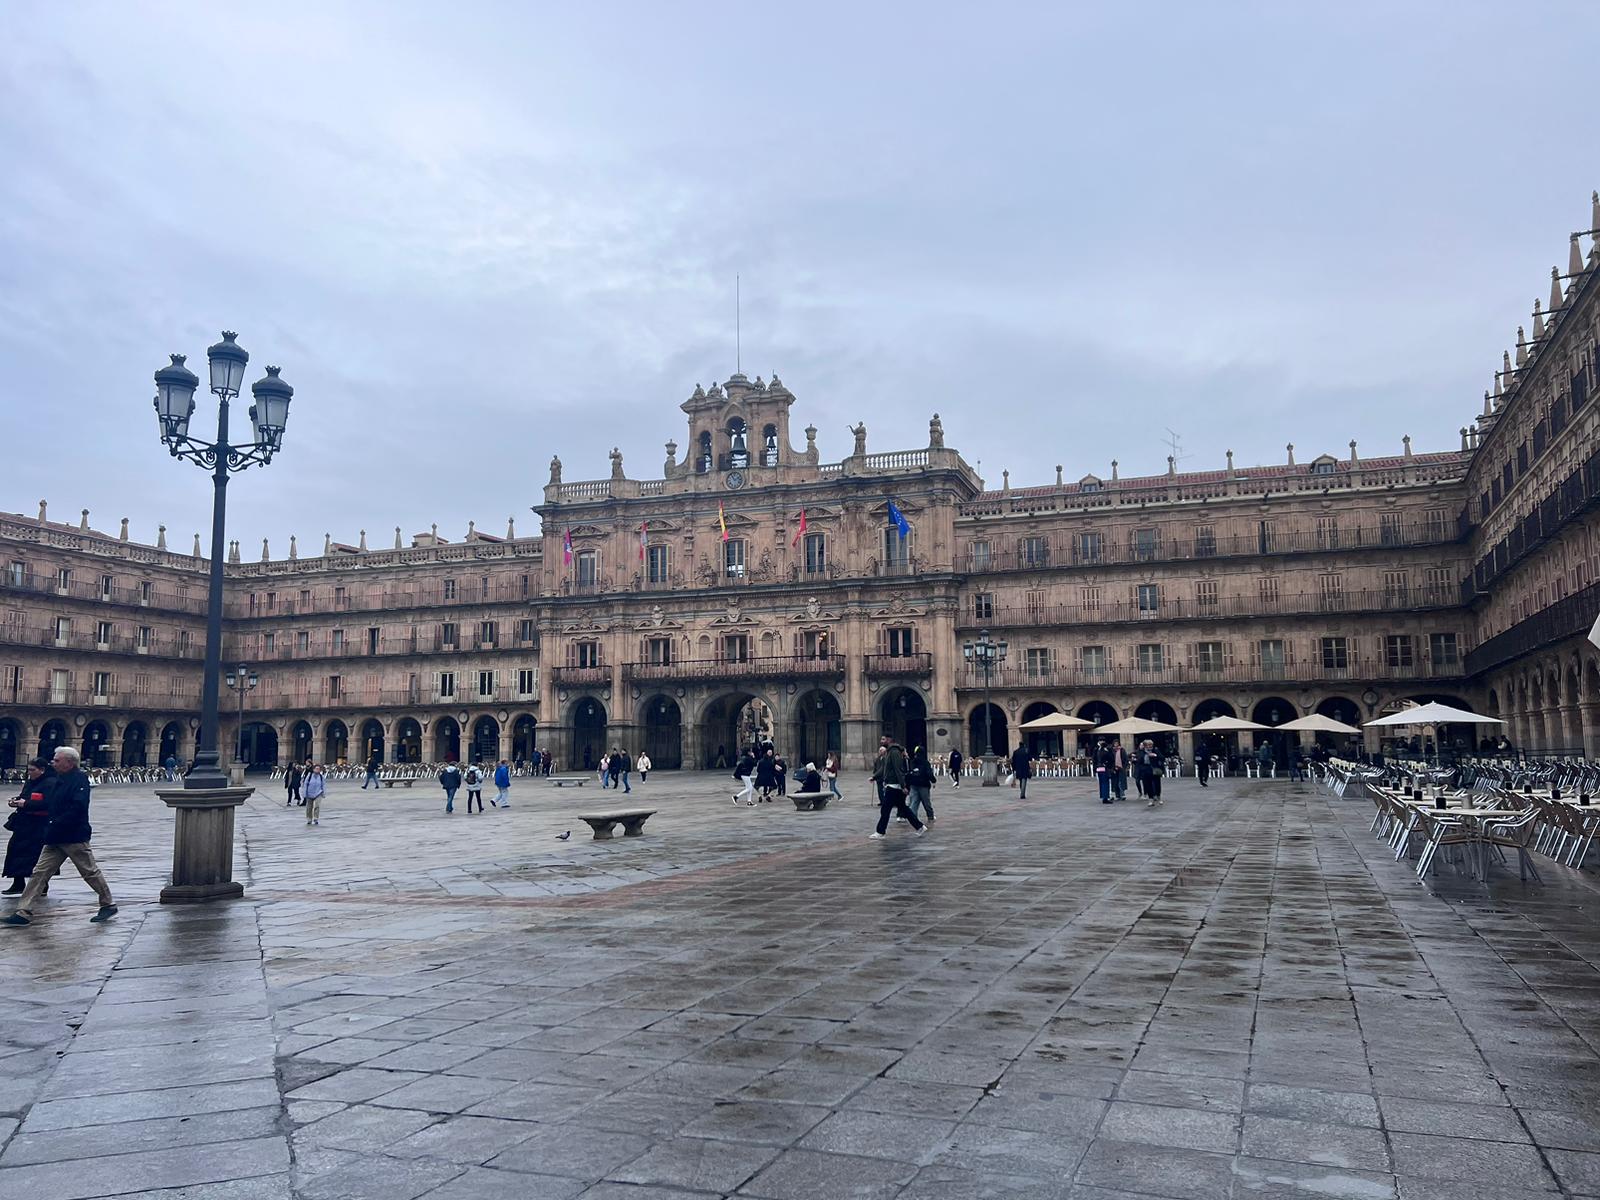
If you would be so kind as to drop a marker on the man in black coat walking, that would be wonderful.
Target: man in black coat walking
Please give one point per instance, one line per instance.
(1022, 768)
(66, 838)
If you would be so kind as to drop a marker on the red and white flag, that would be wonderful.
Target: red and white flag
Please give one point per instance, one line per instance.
(801, 532)
(644, 538)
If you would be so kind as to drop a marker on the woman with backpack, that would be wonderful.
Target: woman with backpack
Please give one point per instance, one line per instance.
(474, 786)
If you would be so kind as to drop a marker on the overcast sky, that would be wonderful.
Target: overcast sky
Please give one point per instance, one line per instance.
(473, 234)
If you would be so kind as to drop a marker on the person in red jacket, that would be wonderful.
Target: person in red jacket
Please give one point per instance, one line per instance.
(66, 838)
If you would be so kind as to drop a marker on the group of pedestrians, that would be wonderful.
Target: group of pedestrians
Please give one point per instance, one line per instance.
(306, 786)
(1113, 765)
(452, 778)
(49, 825)
(617, 765)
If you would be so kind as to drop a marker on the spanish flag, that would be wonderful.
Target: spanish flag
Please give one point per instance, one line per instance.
(722, 521)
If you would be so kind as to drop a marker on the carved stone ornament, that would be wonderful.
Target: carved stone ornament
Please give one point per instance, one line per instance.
(813, 607)
(658, 615)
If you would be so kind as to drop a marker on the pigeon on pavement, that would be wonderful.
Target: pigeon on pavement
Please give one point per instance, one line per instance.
(561, 837)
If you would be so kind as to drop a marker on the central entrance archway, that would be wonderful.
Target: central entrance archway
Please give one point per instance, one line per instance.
(986, 731)
(408, 740)
(731, 722)
(335, 742)
(96, 751)
(905, 717)
(300, 738)
(663, 733)
(258, 744)
(446, 740)
(371, 739)
(816, 727)
(486, 740)
(522, 738)
(588, 733)
(133, 744)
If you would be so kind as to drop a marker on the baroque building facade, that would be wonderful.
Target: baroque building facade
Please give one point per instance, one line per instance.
(752, 585)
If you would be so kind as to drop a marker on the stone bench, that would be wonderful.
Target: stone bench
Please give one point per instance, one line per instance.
(631, 819)
(570, 780)
(810, 801)
(389, 783)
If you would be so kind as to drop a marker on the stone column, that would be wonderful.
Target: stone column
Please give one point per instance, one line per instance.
(1185, 749)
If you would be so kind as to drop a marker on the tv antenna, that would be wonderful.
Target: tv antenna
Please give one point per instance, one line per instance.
(1175, 444)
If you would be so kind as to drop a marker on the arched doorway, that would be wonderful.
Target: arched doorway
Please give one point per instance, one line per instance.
(1340, 709)
(407, 740)
(816, 727)
(1217, 745)
(905, 717)
(732, 722)
(1274, 711)
(335, 742)
(258, 745)
(588, 733)
(663, 733)
(371, 740)
(485, 740)
(1158, 710)
(300, 741)
(522, 738)
(171, 736)
(134, 739)
(986, 739)
(52, 735)
(96, 752)
(1042, 743)
(1100, 713)
(446, 740)
(10, 744)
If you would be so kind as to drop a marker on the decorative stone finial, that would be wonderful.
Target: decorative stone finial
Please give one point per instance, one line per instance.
(1555, 290)
(1230, 462)
(327, 544)
(294, 550)
(434, 531)
(1172, 466)
(555, 467)
(398, 544)
(1005, 481)
(264, 555)
(672, 455)
(1575, 258)
(616, 463)
(43, 508)
(1058, 475)
(1465, 445)
(936, 433)
(83, 521)
(1406, 442)
(1538, 321)
(472, 530)
(195, 553)
(1505, 370)
(511, 529)
(1488, 404)
(1353, 458)
(233, 552)
(1290, 448)
(811, 435)
(123, 536)
(161, 537)
(363, 546)
(1113, 470)
(1522, 348)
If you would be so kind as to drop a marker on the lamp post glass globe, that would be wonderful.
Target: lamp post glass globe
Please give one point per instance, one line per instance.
(228, 361)
(175, 388)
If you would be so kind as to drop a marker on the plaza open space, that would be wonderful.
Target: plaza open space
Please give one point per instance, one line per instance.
(1240, 994)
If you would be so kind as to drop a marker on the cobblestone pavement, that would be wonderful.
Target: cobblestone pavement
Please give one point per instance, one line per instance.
(1239, 995)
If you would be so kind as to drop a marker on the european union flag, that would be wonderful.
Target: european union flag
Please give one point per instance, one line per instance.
(898, 519)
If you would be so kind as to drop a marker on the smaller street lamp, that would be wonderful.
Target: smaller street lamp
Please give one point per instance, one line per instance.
(241, 680)
(987, 654)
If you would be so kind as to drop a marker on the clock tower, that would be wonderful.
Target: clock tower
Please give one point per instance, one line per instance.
(739, 437)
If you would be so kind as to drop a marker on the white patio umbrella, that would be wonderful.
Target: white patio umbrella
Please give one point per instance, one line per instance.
(1594, 634)
(1230, 725)
(1056, 720)
(1317, 723)
(1435, 714)
(1138, 725)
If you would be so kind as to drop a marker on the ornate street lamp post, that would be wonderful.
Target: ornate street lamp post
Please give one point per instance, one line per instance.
(202, 857)
(241, 680)
(987, 654)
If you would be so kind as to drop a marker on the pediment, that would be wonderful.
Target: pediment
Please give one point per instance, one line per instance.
(812, 613)
(588, 531)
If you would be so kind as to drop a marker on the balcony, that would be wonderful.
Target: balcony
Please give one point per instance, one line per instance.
(1571, 616)
(87, 697)
(780, 666)
(1177, 675)
(590, 676)
(1112, 612)
(883, 666)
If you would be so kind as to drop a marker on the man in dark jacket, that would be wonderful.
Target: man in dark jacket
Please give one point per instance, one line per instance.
(1022, 768)
(890, 772)
(744, 772)
(374, 761)
(66, 838)
(955, 768)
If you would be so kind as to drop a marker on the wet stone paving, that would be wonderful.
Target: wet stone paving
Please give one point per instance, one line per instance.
(1238, 995)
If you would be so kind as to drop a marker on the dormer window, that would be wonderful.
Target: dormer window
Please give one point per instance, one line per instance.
(1324, 466)
(1089, 483)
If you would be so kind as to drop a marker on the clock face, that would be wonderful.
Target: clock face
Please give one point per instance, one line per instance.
(735, 480)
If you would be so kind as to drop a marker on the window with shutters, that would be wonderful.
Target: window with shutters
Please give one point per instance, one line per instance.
(736, 647)
(897, 549)
(338, 641)
(449, 635)
(1039, 661)
(1271, 658)
(1398, 650)
(983, 606)
(449, 589)
(1033, 552)
(527, 633)
(183, 642)
(658, 651)
(1205, 595)
(733, 558)
(1205, 541)
(816, 553)
(1089, 599)
(1389, 530)
(1436, 524)
(17, 574)
(1093, 661)
(102, 685)
(1150, 658)
(485, 685)
(269, 643)
(1033, 601)
(1335, 654)
(1327, 533)
(527, 681)
(814, 643)
(335, 687)
(1091, 548)
(63, 629)
(585, 654)
(13, 683)
(587, 563)
(1266, 537)
(1148, 597)
(141, 685)
(980, 555)
(1330, 592)
(901, 641)
(483, 587)
(108, 586)
(374, 638)
(102, 634)
(1146, 545)
(447, 685)
(657, 564)
(1444, 650)
(488, 634)
(1209, 658)
(1438, 582)
(146, 636)
(147, 592)
(1267, 592)
(63, 579)
(1396, 589)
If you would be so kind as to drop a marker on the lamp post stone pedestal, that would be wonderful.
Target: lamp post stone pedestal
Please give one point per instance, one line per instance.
(202, 846)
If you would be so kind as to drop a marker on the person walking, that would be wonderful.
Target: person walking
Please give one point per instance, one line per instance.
(1147, 768)
(830, 770)
(877, 766)
(780, 767)
(28, 825)
(1102, 769)
(1202, 768)
(767, 774)
(1297, 766)
(502, 785)
(955, 768)
(66, 837)
(474, 782)
(172, 767)
(744, 771)
(890, 775)
(1022, 768)
(291, 784)
(450, 781)
(373, 762)
(643, 763)
(315, 787)
(605, 770)
(920, 780)
(621, 764)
